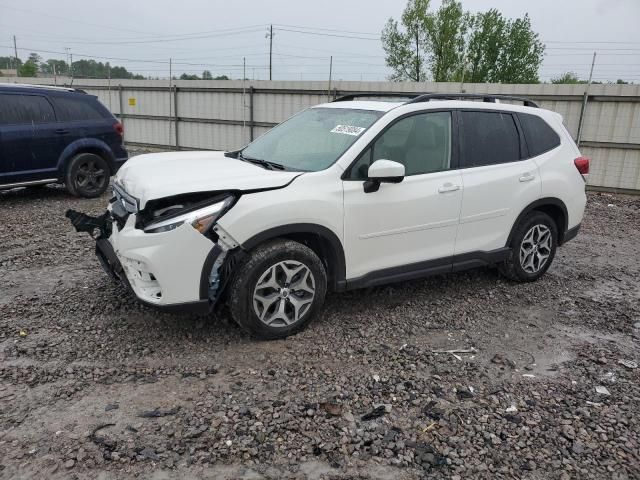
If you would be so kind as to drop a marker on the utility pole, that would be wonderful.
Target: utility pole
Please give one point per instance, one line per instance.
(583, 111)
(417, 57)
(170, 103)
(71, 66)
(244, 103)
(330, 72)
(15, 51)
(270, 50)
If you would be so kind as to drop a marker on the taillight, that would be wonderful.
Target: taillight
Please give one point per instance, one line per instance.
(119, 128)
(582, 164)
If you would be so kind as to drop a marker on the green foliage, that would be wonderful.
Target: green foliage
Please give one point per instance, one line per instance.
(186, 76)
(221, 77)
(53, 66)
(458, 45)
(206, 75)
(568, 77)
(406, 51)
(31, 66)
(9, 63)
(93, 69)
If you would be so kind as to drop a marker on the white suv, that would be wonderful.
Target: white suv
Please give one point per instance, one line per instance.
(344, 195)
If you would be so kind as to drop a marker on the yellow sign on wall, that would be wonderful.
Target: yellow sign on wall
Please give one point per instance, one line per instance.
(132, 101)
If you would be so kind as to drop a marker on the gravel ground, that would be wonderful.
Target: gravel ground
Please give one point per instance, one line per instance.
(94, 385)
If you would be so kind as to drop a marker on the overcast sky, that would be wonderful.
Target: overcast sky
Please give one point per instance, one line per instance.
(142, 34)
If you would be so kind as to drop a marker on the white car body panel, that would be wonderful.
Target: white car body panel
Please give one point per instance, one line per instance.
(159, 175)
(314, 197)
(493, 196)
(400, 224)
(174, 258)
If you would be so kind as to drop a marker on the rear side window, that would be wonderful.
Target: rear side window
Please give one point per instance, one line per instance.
(488, 138)
(25, 109)
(74, 108)
(539, 135)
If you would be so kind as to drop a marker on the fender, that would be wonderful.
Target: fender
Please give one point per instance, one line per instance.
(335, 252)
(556, 202)
(80, 145)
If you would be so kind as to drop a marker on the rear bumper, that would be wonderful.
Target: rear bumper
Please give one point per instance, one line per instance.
(112, 265)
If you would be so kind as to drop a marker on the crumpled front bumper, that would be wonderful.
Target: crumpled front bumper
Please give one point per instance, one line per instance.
(168, 270)
(111, 264)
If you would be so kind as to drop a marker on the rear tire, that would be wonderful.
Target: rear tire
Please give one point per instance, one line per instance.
(533, 247)
(87, 175)
(278, 290)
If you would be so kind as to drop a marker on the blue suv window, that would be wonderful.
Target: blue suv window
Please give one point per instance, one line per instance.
(73, 108)
(21, 109)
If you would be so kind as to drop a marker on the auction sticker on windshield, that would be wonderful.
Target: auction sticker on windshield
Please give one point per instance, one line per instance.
(348, 130)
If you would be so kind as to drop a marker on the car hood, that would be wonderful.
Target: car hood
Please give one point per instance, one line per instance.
(158, 175)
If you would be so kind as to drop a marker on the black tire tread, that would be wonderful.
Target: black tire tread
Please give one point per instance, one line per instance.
(241, 286)
(510, 268)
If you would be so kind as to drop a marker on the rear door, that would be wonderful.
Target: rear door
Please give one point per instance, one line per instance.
(28, 145)
(499, 182)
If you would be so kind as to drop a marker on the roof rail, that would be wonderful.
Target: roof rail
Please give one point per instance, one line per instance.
(474, 96)
(354, 96)
(44, 87)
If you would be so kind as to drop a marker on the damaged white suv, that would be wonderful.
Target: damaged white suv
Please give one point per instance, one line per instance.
(344, 195)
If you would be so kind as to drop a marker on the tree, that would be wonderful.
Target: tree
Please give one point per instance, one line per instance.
(221, 77)
(206, 75)
(186, 76)
(485, 47)
(53, 66)
(31, 66)
(446, 31)
(521, 54)
(406, 49)
(567, 77)
(10, 63)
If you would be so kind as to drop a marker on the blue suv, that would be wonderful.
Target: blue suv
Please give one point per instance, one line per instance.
(54, 134)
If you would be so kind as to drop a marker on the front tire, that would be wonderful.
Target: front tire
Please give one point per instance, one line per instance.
(533, 248)
(278, 290)
(87, 175)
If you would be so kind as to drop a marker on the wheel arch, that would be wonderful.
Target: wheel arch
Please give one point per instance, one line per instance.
(323, 241)
(554, 207)
(86, 145)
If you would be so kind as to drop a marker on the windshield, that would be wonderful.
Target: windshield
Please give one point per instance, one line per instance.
(312, 140)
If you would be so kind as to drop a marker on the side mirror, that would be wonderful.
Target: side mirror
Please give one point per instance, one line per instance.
(380, 171)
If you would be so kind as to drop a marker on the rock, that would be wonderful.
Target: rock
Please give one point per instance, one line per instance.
(602, 390)
(332, 408)
(377, 412)
(630, 364)
(149, 454)
(348, 416)
(111, 406)
(464, 393)
(69, 464)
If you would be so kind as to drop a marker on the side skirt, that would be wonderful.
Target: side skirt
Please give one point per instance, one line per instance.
(439, 266)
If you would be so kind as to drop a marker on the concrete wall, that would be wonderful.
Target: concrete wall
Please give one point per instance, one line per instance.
(218, 115)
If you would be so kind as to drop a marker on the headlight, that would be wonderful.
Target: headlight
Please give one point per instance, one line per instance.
(202, 219)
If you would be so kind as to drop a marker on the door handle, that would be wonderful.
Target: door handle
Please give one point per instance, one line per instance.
(527, 177)
(448, 187)
(62, 131)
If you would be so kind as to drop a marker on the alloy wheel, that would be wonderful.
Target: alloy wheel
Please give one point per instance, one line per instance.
(535, 248)
(284, 293)
(90, 177)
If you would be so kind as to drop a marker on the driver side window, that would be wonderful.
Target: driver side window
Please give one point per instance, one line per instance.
(422, 143)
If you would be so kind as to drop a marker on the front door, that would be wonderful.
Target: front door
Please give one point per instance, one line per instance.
(407, 226)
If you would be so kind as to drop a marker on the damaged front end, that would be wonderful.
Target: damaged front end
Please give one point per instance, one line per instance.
(171, 254)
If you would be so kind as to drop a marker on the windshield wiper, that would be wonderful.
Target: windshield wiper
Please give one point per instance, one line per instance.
(263, 163)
